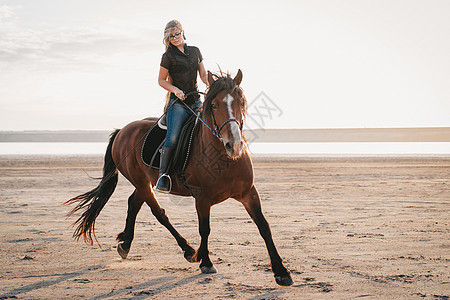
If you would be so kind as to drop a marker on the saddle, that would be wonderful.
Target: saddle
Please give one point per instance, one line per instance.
(155, 139)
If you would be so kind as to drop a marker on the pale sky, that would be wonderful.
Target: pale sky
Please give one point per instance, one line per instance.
(78, 64)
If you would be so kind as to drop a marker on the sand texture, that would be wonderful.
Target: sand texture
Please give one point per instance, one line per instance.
(347, 228)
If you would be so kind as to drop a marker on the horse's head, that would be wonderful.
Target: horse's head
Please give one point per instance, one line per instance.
(225, 107)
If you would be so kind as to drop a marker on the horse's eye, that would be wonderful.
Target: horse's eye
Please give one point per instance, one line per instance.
(213, 106)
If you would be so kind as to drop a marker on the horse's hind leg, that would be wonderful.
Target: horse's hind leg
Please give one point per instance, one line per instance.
(252, 204)
(126, 237)
(161, 216)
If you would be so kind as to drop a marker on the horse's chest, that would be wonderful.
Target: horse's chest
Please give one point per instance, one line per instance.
(221, 180)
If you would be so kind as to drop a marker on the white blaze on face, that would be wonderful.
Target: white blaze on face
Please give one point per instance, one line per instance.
(228, 99)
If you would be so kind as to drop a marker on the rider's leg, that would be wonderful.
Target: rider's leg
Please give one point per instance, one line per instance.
(176, 115)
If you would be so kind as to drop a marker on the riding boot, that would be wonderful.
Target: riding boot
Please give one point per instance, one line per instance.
(164, 183)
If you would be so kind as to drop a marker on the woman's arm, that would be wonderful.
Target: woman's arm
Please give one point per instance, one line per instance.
(162, 81)
(202, 73)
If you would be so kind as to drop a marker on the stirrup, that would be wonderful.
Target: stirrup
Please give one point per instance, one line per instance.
(170, 184)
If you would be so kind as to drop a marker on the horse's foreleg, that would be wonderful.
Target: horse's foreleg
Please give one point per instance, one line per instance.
(252, 204)
(202, 254)
(126, 237)
(161, 216)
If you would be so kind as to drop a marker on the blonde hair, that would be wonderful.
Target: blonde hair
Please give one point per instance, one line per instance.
(170, 27)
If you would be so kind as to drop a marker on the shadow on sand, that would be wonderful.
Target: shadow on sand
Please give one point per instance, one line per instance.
(47, 283)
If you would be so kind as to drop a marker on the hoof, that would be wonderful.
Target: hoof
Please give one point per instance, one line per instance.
(122, 252)
(284, 280)
(208, 270)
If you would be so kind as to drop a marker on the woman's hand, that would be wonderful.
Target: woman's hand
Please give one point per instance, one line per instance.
(179, 94)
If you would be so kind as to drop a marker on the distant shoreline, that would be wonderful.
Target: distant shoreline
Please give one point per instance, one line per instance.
(418, 134)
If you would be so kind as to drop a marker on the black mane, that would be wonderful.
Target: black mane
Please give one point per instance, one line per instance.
(223, 82)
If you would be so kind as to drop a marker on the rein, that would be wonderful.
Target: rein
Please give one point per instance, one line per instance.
(216, 134)
(217, 130)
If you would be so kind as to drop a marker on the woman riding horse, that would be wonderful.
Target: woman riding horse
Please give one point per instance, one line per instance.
(177, 74)
(219, 166)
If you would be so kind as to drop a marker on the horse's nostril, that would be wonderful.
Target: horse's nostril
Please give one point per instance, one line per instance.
(228, 146)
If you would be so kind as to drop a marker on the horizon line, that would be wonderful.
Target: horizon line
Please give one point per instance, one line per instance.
(389, 134)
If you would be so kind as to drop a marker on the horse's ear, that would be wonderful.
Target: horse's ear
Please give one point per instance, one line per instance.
(210, 78)
(238, 78)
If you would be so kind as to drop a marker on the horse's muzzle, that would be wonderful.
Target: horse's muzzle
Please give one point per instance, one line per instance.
(234, 148)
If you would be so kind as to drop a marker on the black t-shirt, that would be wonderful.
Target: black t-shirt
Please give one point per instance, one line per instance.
(183, 68)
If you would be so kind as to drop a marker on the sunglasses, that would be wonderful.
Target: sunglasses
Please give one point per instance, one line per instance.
(175, 36)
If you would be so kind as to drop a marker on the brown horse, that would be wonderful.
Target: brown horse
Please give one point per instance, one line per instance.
(221, 148)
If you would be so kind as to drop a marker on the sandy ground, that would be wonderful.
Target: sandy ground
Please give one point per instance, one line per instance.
(347, 228)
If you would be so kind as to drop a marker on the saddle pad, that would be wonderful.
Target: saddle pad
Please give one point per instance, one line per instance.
(155, 140)
(150, 150)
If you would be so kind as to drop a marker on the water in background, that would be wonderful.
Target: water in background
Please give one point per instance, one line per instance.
(257, 149)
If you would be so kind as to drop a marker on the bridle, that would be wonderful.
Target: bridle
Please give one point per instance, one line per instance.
(217, 128)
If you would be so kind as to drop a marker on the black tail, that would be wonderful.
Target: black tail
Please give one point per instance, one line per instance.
(95, 200)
